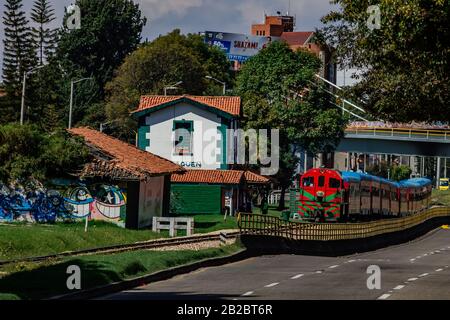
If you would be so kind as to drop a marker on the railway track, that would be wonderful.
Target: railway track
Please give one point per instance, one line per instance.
(152, 244)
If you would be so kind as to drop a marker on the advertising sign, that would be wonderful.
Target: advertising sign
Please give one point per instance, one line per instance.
(238, 47)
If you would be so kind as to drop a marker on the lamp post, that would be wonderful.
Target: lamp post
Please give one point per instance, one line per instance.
(172, 87)
(72, 84)
(24, 84)
(224, 84)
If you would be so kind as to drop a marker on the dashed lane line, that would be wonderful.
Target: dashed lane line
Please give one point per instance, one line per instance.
(384, 296)
(272, 285)
(412, 279)
(423, 275)
(400, 287)
(439, 270)
(333, 267)
(297, 276)
(248, 294)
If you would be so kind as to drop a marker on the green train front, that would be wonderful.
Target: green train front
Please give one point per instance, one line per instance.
(320, 198)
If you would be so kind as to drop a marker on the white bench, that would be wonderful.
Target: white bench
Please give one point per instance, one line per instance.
(173, 225)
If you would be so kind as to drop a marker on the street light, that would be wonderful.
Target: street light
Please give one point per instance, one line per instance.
(221, 82)
(172, 87)
(24, 84)
(72, 83)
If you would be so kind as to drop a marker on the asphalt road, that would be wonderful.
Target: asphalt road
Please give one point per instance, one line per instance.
(416, 270)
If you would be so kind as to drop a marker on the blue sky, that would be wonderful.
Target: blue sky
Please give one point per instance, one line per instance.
(216, 15)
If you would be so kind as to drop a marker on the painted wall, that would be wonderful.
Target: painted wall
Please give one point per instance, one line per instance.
(156, 136)
(151, 201)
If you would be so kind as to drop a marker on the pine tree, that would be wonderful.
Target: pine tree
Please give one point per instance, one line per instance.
(44, 38)
(18, 54)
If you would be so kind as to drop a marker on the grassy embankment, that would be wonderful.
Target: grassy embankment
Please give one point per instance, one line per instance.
(40, 281)
(30, 240)
(441, 197)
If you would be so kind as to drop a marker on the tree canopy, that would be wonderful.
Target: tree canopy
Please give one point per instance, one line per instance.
(160, 63)
(279, 91)
(405, 63)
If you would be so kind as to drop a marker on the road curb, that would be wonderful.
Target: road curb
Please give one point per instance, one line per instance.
(154, 277)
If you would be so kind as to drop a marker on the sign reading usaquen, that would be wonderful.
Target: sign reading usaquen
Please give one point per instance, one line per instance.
(238, 47)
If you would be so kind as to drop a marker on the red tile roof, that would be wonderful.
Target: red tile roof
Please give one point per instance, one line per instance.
(218, 177)
(296, 38)
(127, 160)
(230, 105)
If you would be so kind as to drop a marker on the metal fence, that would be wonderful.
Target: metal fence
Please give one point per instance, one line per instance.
(273, 226)
(417, 134)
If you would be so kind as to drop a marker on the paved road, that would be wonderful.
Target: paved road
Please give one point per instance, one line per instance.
(417, 270)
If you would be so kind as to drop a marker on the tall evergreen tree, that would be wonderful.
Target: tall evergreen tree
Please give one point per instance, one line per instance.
(45, 38)
(18, 54)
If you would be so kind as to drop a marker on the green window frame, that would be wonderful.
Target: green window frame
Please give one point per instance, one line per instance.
(183, 142)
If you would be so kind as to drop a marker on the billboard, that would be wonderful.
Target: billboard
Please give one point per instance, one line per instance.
(238, 47)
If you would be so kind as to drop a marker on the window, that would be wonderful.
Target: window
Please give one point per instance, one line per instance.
(308, 182)
(321, 181)
(335, 183)
(183, 137)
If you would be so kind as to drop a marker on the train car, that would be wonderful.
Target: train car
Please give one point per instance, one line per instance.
(334, 196)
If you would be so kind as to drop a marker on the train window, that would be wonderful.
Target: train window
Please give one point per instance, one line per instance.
(308, 182)
(334, 183)
(321, 181)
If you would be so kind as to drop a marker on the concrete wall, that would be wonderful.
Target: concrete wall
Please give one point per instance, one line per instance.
(151, 201)
(160, 136)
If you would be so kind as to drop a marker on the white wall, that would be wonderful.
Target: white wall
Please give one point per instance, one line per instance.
(161, 135)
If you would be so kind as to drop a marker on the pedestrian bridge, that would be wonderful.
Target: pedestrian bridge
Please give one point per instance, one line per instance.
(401, 141)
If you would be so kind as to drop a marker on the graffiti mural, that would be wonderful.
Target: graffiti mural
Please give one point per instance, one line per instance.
(94, 202)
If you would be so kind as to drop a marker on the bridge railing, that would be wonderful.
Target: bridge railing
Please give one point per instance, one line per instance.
(273, 226)
(431, 134)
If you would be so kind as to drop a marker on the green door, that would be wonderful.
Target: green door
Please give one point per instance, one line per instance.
(197, 199)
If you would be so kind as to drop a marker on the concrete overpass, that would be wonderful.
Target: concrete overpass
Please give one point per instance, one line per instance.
(413, 144)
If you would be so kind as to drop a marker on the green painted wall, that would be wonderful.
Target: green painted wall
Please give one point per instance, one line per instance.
(197, 199)
(143, 142)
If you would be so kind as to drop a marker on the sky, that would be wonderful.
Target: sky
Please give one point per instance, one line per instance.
(195, 16)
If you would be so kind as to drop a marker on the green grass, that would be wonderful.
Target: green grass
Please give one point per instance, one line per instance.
(27, 240)
(39, 281)
(441, 197)
(30, 240)
(211, 223)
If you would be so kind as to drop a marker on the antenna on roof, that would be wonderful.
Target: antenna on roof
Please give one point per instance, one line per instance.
(289, 8)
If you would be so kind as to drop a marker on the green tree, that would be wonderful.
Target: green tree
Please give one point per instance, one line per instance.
(18, 53)
(400, 173)
(167, 60)
(110, 30)
(44, 38)
(405, 63)
(26, 152)
(280, 92)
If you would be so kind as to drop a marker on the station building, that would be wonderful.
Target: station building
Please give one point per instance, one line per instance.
(191, 131)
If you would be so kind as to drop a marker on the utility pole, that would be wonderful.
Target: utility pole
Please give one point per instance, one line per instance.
(72, 85)
(224, 84)
(24, 84)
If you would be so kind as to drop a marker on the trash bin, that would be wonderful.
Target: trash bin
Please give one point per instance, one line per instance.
(285, 215)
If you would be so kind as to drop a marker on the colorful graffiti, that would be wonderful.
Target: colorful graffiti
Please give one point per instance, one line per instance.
(95, 202)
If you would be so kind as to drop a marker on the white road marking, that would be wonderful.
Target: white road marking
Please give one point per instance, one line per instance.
(384, 296)
(332, 267)
(423, 275)
(318, 272)
(272, 285)
(439, 270)
(350, 261)
(248, 294)
(297, 276)
(412, 260)
(400, 287)
(412, 279)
